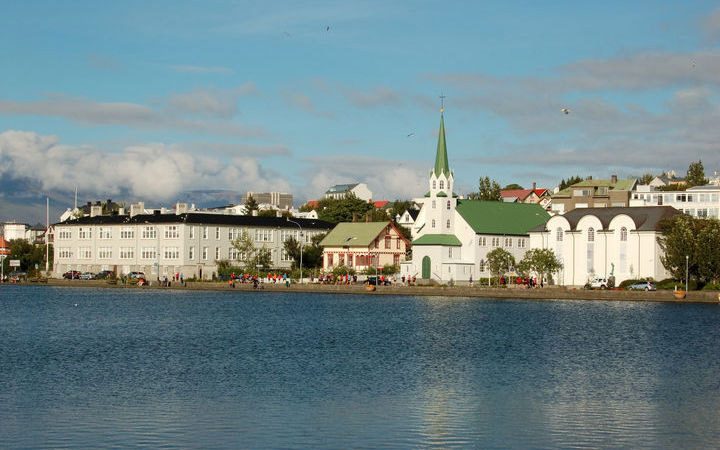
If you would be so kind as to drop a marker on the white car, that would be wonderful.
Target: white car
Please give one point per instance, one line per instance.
(599, 283)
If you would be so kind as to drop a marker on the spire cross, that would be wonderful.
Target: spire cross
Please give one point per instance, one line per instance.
(442, 102)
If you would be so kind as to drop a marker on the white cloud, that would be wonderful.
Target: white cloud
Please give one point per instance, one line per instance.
(220, 103)
(711, 24)
(302, 102)
(152, 171)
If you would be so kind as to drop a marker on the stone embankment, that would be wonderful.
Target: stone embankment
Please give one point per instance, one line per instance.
(546, 293)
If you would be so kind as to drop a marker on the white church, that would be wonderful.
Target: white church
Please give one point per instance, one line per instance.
(453, 236)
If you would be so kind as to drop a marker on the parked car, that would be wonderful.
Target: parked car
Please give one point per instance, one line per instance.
(642, 286)
(599, 283)
(72, 275)
(136, 275)
(87, 276)
(104, 274)
(16, 275)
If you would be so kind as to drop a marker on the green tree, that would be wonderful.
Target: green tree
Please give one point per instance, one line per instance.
(542, 261)
(306, 208)
(399, 207)
(645, 178)
(512, 186)
(245, 245)
(251, 205)
(707, 250)
(500, 260)
(344, 209)
(292, 249)
(696, 174)
(678, 239)
(487, 190)
(267, 213)
(313, 253)
(570, 181)
(28, 254)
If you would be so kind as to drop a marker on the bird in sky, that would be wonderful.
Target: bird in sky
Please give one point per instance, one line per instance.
(327, 28)
(565, 110)
(411, 135)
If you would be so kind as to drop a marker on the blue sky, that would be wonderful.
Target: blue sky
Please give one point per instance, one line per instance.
(142, 100)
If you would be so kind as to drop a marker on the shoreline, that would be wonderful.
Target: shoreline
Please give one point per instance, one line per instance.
(515, 293)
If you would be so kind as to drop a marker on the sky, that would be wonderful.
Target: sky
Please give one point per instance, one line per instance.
(139, 100)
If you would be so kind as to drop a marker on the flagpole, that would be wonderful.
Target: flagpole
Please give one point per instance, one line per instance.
(47, 228)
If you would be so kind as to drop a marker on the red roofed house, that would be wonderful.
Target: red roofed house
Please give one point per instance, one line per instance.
(536, 196)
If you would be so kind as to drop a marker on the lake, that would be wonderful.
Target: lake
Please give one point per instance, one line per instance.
(84, 367)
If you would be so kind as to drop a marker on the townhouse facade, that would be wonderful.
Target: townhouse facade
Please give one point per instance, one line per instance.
(164, 244)
(594, 194)
(698, 201)
(363, 245)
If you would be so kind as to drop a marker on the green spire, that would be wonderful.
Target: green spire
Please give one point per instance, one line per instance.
(441, 159)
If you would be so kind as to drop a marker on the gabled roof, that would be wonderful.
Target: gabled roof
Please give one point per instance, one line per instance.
(488, 217)
(341, 188)
(619, 185)
(201, 218)
(521, 194)
(381, 203)
(646, 218)
(353, 234)
(438, 239)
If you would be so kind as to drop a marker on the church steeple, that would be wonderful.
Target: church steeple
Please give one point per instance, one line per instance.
(441, 159)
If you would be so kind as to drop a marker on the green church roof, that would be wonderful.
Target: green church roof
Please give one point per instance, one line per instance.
(441, 158)
(438, 239)
(353, 234)
(488, 217)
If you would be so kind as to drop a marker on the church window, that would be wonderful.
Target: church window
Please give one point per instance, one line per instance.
(433, 223)
(482, 265)
(434, 184)
(449, 252)
(591, 235)
(448, 224)
(623, 234)
(559, 234)
(442, 184)
(448, 204)
(433, 204)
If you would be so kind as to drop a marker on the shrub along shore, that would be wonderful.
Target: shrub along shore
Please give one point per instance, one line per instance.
(484, 292)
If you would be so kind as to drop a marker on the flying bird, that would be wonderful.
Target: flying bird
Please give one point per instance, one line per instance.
(327, 28)
(411, 135)
(565, 110)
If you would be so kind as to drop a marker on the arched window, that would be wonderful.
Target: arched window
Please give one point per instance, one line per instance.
(623, 234)
(448, 223)
(591, 235)
(433, 184)
(433, 204)
(433, 223)
(442, 184)
(448, 204)
(559, 234)
(482, 265)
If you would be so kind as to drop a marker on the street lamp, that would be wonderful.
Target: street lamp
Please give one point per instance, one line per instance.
(301, 245)
(687, 260)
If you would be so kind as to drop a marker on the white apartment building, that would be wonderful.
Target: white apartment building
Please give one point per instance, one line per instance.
(698, 201)
(162, 244)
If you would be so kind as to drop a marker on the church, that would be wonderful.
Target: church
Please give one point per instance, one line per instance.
(453, 235)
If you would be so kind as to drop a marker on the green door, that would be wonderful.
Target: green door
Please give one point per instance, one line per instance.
(426, 267)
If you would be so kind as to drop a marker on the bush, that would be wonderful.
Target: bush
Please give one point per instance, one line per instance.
(711, 287)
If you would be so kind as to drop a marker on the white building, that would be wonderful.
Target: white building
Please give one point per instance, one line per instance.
(453, 236)
(14, 230)
(698, 201)
(340, 191)
(161, 244)
(604, 242)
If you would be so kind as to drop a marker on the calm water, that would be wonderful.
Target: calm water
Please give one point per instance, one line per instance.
(230, 369)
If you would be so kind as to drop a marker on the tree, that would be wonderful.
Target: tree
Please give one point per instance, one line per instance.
(344, 209)
(542, 261)
(267, 213)
(245, 245)
(500, 260)
(570, 181)
(487, 190)
(313, 253)
(678, 239)
(251, 205)
(292, 249)
(512, 186)
(696, 174)
(646, 178)
(400, 206)
(707, 254)
(28, 254)
(305, 208)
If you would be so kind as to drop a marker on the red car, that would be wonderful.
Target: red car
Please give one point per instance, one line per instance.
(72, 275)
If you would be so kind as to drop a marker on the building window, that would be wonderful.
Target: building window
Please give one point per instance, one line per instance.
(433, 204)
(64, 253)
(591, 235)
(508, 242)
(623, 234)
(204, 253)
(559, 234)
(148, 253)
(447, 225)
(263, 235)
(433, 223)
(85, 233)
(171, 232)
(330, 259)
(205, 232)
(127, 233)
(217, 233)
(191, 253)
(433, 184)
(396, 259)
(388, 241)
(192, 232)
(172, 253)
(482, 265)
(449, 252)
(397, 245)
(521, 243)
(64, 234)
(104, 252)
(217, 253)
(442, 184)
(127, 252)
(448, 204)
(496, 242)
(105, 233)
(85, 253)
(149, 233)
(482, 241)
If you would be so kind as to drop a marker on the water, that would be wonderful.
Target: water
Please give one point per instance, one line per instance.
(230, 369)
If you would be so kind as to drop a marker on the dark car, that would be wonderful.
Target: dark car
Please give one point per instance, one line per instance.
(72, 275)
(104, 274)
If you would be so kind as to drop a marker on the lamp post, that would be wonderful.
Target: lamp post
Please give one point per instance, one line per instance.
(301, 245)
(687, 261)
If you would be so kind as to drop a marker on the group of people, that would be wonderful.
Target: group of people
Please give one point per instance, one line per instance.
(166, 281)
(522, 281)
(257, 280)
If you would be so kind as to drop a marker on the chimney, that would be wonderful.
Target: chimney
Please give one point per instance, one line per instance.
(613, 178)
(181, 208)
(136, 209)
(95, 210)
(121, 211)
(534, 185)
